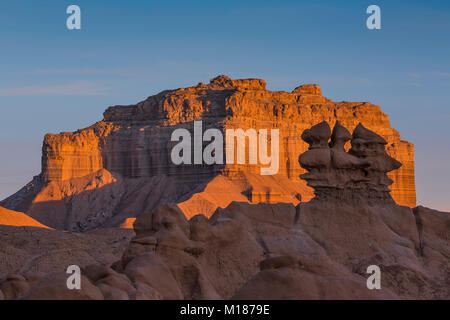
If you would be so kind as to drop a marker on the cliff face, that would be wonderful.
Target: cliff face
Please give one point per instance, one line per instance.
(135, 141)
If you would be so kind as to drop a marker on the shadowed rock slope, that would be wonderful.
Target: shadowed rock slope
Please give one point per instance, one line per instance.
(104, 199)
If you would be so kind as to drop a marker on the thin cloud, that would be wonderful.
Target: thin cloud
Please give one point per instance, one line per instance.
(85, 71)
(289, 83)
(415, 75)
(346, 81)
(442, 74)
(79, 88)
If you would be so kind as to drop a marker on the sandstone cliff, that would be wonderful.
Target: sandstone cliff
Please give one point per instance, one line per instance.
(135, 140)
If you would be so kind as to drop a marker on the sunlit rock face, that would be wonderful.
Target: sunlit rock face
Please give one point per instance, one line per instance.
(134, 140)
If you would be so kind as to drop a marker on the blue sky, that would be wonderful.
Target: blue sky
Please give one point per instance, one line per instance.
(53, 79)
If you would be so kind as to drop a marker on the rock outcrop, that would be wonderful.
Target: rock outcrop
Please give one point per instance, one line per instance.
(134, 141)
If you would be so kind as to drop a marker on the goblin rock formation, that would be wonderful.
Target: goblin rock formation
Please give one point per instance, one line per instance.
(334, 173)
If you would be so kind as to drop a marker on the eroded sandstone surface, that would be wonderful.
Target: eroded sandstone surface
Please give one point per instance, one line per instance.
(317, 250)
(121, 166)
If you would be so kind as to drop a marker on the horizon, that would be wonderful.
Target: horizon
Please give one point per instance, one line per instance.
(57, 80)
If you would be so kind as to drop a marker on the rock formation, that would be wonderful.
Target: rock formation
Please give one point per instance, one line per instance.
(134, 141)
(106, 173)
(320, 249)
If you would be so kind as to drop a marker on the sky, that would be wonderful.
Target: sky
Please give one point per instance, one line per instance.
(53, 79)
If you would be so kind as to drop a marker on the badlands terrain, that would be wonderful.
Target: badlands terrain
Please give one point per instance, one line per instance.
(110, 200)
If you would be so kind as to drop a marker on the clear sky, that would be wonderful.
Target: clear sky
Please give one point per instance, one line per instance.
(53, 79)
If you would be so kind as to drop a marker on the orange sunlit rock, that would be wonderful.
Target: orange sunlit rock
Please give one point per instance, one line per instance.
(128, 223)
(18, 219)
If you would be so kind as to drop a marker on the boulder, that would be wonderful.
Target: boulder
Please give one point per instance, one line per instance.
(112, 293)
(96, 272)
(148, 268)
(118, 281)
(145, 292)
(54, 287)
(14, 287)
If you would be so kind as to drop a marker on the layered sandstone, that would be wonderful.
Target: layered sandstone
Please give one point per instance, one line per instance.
(134, 140)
